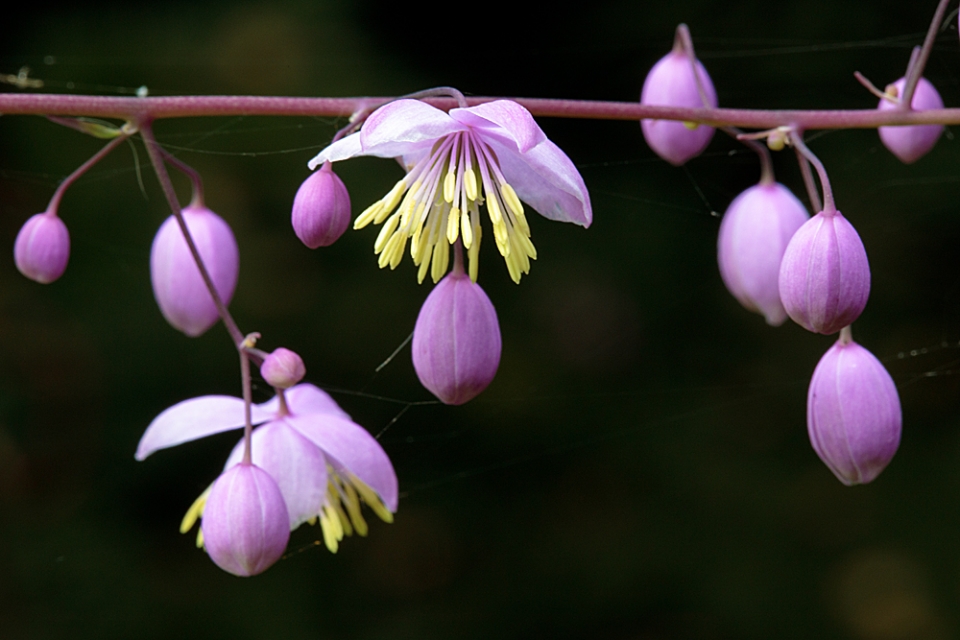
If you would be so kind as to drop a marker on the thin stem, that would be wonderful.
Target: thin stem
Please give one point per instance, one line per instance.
(808, 181)
(766, 162)
(872, 88)
(828, 206)
(190, 172)
(82, 169)
(458, 258)
(247, 402)
(153, 150)
(846, 334)
(150, 109)
(682, 41)
(915, 70)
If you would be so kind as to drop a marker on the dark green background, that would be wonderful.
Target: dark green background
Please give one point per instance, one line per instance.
(639, 469)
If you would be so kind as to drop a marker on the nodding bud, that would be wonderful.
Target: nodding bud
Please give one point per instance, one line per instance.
(245, 523)
(321, 209)
(456, 341)
(283, 368)
(42, 248)
(179, 288)
(671, 82)
(912, 142)
(754, 234)
(853, 413)
(825, 275)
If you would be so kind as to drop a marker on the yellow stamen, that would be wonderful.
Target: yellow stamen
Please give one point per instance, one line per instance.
(329, 538)
(199, 538)
(372, 499)
(474, 250)
(424, 265)
(453, 225)
(493, 208)
(353, 508)
(368, 215)
(386, 231)
(511, 200)
(466, 229)
(470, 184)
(441, 259)
(449, 185)
(195, 511)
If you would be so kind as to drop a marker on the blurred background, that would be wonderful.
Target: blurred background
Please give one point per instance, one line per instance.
(640, 467)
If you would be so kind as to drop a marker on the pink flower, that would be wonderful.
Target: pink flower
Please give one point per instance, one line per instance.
(493, 154)
(323, 463)
(178, 286)
(321, 209)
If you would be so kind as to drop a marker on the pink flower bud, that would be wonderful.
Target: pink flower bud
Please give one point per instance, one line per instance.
(853, 413)
(456, 341)
(183, 297)
(753, 235)
(825, 276)
(913, 142)
(671, 83)
(321, 209)
(42, 248)
(283, 368)
(245, 522)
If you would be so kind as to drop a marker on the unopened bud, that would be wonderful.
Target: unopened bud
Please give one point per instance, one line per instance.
(42, 248)
(179, 288)
(456, 341)
(321, 209)
(753, 236)
(825, 275)
(282, 369)
(910, 143)
(853, 413)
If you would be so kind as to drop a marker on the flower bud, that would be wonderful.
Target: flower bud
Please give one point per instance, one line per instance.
(825, 276)
(671, 82)
(179, 288)
(321, 209)
(42, 248)
(913, 142)
(754, 233)
(283, 368)
(245, 523)
(853, 413)
(456, 341)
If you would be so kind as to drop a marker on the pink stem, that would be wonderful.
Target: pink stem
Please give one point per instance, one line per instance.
(69, 180)
(915, 70)
(190, 172)
(829, 208)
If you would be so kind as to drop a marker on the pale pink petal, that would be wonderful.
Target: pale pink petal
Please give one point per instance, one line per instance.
(546, 179)
(352, 449)
(401, 123)
(305, 399)
(343, 149)
(505, 119)
(193, 419)
(294, 462)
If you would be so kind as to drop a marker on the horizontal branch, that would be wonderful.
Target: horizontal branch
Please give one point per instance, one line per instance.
(153, 108)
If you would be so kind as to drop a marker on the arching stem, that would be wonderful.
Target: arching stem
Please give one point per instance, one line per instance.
(796, 137)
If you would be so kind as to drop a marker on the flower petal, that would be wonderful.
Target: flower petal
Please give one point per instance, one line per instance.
(193, 419)
(296, 464)
(403, 125)
(354, 450)
(546, 179)
(305, 399)
(343, 149)
(503, 118)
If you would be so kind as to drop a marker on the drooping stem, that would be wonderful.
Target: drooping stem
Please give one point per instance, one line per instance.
(247, 399)
(846, 334)
(915, 70)
(156, 158)
(808, 181)
(458, 258)
(190, 172)
(796, 137)
(82, 169)
(682, 41)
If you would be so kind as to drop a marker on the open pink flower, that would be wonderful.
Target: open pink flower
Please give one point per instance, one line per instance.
(323, 463)
(493, 154)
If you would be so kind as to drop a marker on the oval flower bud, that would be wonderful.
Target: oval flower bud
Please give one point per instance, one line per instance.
(913, 142)
(825, 276)
(321, 209)
(177, 284)
(283, 368)
(853, 413)
(42, 248)
(245, 523)
(456, 341)
(671, 83)
(754, 234)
